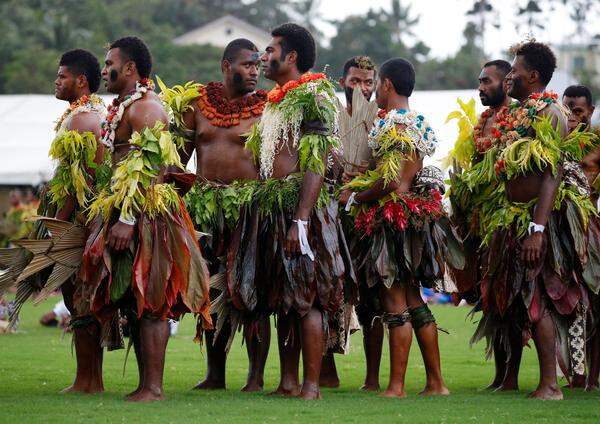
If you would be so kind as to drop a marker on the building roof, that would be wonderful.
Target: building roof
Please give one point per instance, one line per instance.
(221, 31)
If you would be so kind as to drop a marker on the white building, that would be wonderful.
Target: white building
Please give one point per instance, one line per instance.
(220, 32)
(575, 58)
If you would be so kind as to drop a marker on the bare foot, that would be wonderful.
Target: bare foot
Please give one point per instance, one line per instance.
(547, 393)
(209, 385)
(89, 388)
(253, 386)
(439, 390)
(286, 391)
(370, 387)
(394, 391)
(577, 382)
(310, 392)
(145, 395)
(507, 387)
(330, 381)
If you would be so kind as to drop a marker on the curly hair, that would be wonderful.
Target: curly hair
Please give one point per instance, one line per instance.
(360, 62)
(83, 62)
(579, 91)
(235, 47)
(538, 57)
(298, 39)
(133, 48)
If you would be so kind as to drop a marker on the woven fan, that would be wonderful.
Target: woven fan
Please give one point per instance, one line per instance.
(13, 261)
(354, 130)
(64, 250)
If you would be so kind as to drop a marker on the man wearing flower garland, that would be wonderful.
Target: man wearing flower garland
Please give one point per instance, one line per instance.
(528, 281)
(578, 99)
(399, 203)
(467, 201)
(290, 145)
(142, 256)
(213, 121)
(74, 184)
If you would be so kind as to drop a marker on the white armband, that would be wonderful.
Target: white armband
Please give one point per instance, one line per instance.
(350, 201)
(127, 221)
(535, 228)
(303, 237)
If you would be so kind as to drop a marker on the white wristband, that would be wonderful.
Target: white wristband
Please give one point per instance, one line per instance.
(535, 228)
(350, 202)
(303, 236)
(127, 221)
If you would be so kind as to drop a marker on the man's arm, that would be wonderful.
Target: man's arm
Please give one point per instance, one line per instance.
(82, 123)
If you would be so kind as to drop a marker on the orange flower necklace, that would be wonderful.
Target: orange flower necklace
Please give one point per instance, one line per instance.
(277, 94)
(224, 113)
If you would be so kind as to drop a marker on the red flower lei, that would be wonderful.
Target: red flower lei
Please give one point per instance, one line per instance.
(72, 106)
(410, 208)
(484, 143)
(278, 93)
(221, 112)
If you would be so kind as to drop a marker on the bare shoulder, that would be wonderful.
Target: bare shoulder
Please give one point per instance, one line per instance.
(85, 121)
(146, 112)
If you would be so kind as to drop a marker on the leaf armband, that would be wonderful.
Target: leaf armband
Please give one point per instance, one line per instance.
(75, 153)
(177, 101)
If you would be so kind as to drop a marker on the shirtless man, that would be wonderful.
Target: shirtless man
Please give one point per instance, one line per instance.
(359, 71)
(517, 276)
(156, 270)
(221, 159)
(578, 99)
(277, 236)
(493, 95)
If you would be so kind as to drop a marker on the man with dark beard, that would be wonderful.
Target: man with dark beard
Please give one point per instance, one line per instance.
(142, 257)
(287, 255)
(492, 94)
(578, 99)
(529, 163)
(359, 73)
(215, 119)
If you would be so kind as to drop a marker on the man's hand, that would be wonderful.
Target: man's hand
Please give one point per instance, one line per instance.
(291, 245)
(344, 196)
(120, 235)
(532, 249)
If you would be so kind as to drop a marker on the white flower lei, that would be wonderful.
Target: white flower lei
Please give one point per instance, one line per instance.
(416, 127)
(110, 128)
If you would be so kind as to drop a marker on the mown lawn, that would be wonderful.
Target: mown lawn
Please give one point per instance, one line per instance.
(36, 363)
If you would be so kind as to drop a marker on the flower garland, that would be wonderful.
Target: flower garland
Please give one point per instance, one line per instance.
(277, 94)
(91, 103)
(413, 125)
(310, 98)
(484, 143)
(224, 113)
(406, 209)
(117, 109)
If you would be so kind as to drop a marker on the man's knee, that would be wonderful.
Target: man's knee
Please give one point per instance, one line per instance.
(421, 316)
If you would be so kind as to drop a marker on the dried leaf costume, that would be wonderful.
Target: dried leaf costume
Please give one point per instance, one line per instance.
(162, 273)
(53, 254)
(407, 237)
(513, 296)
(260, 278)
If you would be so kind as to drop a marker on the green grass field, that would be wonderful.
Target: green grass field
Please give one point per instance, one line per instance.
(36, 363)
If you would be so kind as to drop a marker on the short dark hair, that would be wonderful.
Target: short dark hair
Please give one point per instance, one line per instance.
(234, 47)
(298, 39)
(502, 65)
(538, 57)
(360, 62)
(401, 73)
(579, 91)
(136, 50)
(82, 62)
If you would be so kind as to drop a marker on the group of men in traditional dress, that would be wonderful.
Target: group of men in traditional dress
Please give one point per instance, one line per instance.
(308, 210)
